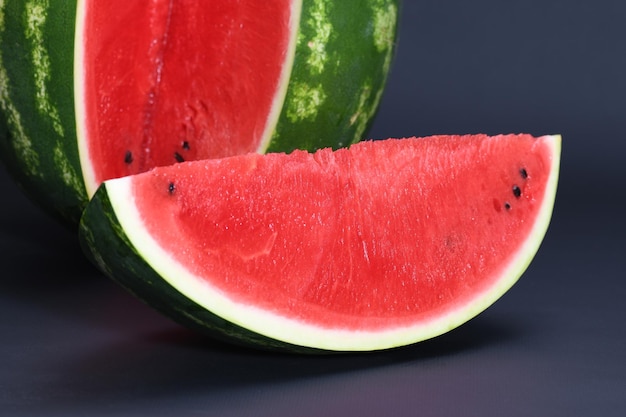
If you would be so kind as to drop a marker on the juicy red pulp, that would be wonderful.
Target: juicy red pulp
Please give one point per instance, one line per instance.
(168, 81)
(384, 233)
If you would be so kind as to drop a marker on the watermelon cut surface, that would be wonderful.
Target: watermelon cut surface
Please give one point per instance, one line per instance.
(380, 245)
(104, 89)
(200, 79)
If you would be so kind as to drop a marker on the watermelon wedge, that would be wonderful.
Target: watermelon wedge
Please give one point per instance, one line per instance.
(383, 244)
(92, 90)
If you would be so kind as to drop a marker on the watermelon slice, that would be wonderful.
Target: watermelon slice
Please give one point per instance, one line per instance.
(93, 90)
(383, 244)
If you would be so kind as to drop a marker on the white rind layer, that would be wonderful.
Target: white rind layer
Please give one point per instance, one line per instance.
(82, 133)
(285, 76)
(296, 332)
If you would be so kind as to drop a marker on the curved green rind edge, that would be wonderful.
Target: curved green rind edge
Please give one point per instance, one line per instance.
(106, 245)
(38, 146)
(343, 56)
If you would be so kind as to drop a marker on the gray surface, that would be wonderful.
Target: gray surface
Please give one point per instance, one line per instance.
(73, 343)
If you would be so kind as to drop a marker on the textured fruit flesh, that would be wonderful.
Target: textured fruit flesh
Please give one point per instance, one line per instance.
(166, 81)
(381, 235)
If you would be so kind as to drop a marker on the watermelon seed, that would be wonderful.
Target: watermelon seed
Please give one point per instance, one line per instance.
(523, 173)
(186, 145)
(128, 157)
(171, 188)
(517, 192)
(507, 206)
(178, 157)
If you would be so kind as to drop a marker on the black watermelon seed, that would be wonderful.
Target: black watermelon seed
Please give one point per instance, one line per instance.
(523, 173)
(517, 192)
(186, 145)
(171, 188)
(178, 157)
(507, 206)
(128, 157)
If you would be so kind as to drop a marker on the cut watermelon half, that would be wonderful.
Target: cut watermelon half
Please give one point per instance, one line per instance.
(380, 245)
(105, 89)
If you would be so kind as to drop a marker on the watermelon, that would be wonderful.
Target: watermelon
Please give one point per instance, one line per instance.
(93, 90)
(382, 244)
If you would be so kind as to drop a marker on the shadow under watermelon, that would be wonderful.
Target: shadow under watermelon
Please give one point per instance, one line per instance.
(175, 362)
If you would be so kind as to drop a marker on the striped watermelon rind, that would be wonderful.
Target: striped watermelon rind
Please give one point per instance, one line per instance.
(342, 57)
(37, 105)
(322, 98)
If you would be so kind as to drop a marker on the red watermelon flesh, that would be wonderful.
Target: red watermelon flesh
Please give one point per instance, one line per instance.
(136, 60)
(387, 240)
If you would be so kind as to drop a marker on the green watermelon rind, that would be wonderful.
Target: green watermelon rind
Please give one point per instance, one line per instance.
(41, 149)
(36, 103)
(323, 99)
(125, 252)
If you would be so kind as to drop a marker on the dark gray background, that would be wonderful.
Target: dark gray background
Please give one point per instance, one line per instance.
(73, 342)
